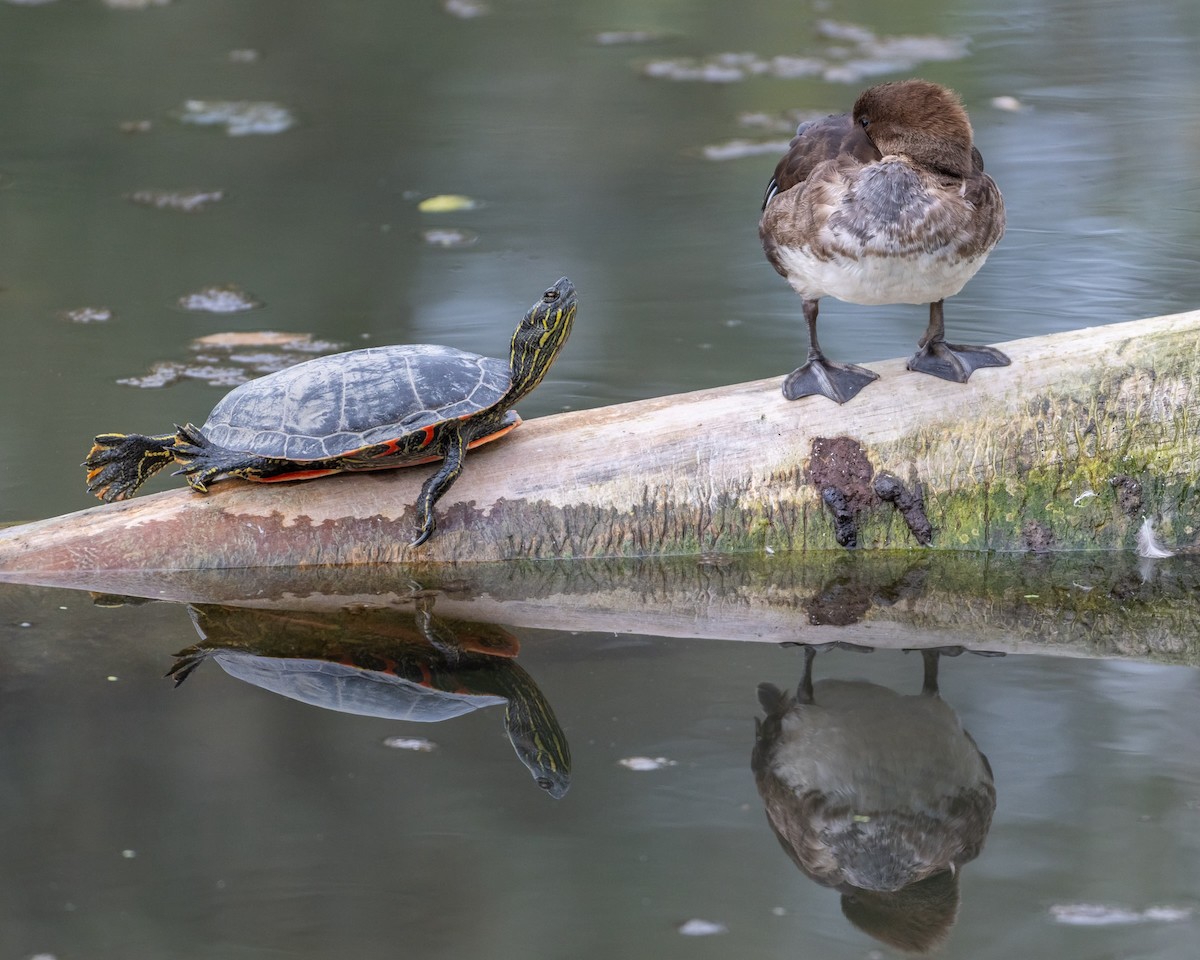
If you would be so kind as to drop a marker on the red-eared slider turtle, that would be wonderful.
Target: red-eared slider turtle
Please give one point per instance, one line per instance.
(371, 409)
(381, 663)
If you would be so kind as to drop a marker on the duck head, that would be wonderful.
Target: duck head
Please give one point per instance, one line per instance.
(920, 120)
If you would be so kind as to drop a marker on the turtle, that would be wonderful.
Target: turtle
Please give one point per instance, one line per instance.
(382, 663)
(370, 409)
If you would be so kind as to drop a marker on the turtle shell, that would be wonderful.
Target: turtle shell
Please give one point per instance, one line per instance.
(350, 689)
(331, 406)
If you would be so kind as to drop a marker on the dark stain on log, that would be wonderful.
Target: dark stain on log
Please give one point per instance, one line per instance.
(1037, 536)
(910, 503)
(840, 471)
(1129, 494)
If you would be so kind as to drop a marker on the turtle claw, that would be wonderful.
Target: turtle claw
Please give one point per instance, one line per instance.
(119, 463)
(955, 361)
(837, 381)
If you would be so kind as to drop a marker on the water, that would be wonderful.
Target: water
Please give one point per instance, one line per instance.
(221, 820)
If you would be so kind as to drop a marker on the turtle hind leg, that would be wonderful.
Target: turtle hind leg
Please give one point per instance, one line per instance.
(202, 462)
(119, 463)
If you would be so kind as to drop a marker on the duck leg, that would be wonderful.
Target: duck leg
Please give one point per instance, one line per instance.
(837, 381)
(950, 361)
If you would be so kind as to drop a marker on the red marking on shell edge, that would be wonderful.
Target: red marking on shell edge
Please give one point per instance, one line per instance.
(298, 475)
(478, 442)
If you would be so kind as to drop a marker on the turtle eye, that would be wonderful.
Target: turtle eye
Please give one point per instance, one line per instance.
(550, 296)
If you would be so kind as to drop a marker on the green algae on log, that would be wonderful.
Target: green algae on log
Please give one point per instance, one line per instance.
(1086, 435)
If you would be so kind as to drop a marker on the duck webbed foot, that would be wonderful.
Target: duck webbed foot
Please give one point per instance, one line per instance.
(955, 361)
(837, 381)
(951, 361)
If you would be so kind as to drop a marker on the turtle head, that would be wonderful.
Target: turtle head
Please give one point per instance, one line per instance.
(540, 335)
(535, 733)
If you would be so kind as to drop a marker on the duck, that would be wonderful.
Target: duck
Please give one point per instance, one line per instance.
(880, 795)
(886, 204)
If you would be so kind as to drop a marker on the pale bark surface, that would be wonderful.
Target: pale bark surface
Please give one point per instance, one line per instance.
(1086, 435)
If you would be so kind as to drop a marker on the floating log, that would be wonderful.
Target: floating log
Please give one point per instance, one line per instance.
(1088, 435)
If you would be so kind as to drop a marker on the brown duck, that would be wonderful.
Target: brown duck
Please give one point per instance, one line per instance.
(886, 204)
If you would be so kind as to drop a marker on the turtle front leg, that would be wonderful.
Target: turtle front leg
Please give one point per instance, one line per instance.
(439, 483)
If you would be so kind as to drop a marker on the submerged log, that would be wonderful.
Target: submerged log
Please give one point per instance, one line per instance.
(1086, 437)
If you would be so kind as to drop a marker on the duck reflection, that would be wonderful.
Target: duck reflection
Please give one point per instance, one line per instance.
(880, 795)
(385, 663)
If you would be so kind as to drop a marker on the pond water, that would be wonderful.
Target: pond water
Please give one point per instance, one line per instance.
(221, 820)
(285, 800)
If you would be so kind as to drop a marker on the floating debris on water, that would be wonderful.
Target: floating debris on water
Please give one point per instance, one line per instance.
(244, 55)
(28, 3)
(1011, 104)
(87, 315)
(232, 358)
(449, 238)
(237, 339)
(643, 764)
(1148, 544)
(857, 53)
(238, 117)
(446, 203)
(135, 4)
(168, 372)
(1098, 915)
(466, 9)
(416, 744)
(719, 68)
(701, 928)
(185, 201)
(737, 149)
(617, 38)
(226, 299)
(776, 123)
(135, 126)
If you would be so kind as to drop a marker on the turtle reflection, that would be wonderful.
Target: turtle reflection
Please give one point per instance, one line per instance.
(384, 663)
(879, 795)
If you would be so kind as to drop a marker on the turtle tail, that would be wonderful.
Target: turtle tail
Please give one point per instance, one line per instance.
(119, 463)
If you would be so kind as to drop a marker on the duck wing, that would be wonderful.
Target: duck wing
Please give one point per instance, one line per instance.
(817, 141)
